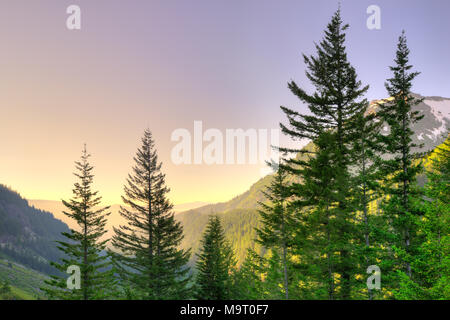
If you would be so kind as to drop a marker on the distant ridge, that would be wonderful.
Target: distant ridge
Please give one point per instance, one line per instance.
(28, 235)
(114, 220)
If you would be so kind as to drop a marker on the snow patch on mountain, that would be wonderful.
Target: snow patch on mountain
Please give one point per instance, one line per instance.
(442, 107)
(441, 111)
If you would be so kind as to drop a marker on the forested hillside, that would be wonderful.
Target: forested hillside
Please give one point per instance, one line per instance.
(28, 235)
(239, 227)
(18, 282)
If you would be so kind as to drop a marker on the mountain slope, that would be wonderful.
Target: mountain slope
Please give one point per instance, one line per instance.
(240, 214)
(24, 283)
(431, 130)
(28, 235)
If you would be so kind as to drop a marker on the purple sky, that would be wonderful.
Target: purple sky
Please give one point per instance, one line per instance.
(164, 64)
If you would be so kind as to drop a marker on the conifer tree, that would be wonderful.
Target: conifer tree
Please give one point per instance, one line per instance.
(400, 167)
(278, 223)
(333, 107)
(147, 256)
(215, 264)
(84, 248)
(248, 284)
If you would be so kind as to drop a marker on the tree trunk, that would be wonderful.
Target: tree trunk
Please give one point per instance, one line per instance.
(85, 260)
(330, 267)
(405, 194)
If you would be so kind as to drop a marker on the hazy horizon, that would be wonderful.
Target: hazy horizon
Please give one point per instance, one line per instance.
(164, 65)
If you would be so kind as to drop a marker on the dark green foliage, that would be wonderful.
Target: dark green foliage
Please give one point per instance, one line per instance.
(278, 224)
(148, 258)
(83, 247)
(318, 235)
(366, 155)
(431, 263)
(400, 169)
(334, 108)
(248, 284)
(263, 277)
(215, 264)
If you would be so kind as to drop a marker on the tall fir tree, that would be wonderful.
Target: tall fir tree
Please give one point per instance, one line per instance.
(85, 247)
(333, 107)
(147, 256)
(278, 223)
(401, 166)
(215, 264)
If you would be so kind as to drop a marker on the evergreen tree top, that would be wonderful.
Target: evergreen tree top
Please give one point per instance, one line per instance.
(401, 82)
(337, 88)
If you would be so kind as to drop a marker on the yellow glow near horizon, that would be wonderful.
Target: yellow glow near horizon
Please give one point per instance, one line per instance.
(104, 84)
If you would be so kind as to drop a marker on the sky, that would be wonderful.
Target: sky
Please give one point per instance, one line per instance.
(163, 65)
